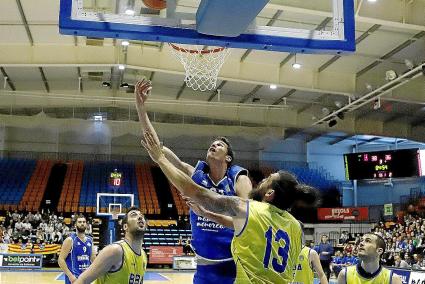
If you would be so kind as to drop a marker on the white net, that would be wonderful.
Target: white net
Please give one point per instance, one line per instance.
(202, 64)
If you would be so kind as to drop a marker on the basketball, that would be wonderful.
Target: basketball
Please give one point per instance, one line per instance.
(156, 4)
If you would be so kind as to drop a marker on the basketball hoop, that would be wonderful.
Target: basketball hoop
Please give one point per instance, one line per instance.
(202, 64)
(114, 215)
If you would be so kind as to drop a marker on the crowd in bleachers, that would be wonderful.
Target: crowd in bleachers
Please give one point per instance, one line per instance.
(40, 228)
(405, 244)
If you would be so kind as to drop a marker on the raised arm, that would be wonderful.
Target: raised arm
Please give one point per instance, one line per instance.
(142, 91)
(228, 205)
(109, 259)
(243, 187)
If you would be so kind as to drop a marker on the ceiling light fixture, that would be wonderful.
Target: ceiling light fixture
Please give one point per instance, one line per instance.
(80, 84)
(369, 87)
(296, 65)
(129, 9)
(325, 111)
(5, 81)
(125, 43)
(390, 75)
(409, 64)
(121, 66)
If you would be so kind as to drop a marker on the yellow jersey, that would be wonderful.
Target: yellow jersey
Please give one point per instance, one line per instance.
(382, 276)
(303, 272)
(267, 248)
(132, 269)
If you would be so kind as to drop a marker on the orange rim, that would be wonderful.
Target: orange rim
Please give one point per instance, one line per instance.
(185, 50)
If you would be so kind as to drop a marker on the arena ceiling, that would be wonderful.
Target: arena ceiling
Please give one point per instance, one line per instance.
(61, 76)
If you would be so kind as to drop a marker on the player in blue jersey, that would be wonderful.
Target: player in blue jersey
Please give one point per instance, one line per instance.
(77, 252)
(211, 236)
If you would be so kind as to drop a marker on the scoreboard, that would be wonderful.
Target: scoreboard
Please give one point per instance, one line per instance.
(115, 179)
(384, 164)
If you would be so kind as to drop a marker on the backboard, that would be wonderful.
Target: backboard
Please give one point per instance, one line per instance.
(109, 204)
(254, 24)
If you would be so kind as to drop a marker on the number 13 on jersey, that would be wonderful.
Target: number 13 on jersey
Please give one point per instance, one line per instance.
(279, 262)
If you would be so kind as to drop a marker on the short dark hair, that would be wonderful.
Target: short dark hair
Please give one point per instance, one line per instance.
(229, 147)
(379, 242)
(79, 216)
(288, 191)
(125, 218)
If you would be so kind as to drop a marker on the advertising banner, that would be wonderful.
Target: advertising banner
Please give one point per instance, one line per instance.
(343, 213)
(21, 260)
(417, 278)
(404, 275)
(164, 254)
(36, 249)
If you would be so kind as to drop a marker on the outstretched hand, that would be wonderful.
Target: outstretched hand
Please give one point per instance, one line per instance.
(142, 90)
(152, 145)
(196, 208)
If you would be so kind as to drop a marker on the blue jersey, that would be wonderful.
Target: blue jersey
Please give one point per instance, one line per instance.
(209, 239)
(79, 257)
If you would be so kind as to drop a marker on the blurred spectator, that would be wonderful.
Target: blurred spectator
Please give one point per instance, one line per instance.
(325, 251)
(400, 263)
(336, 263)
(418, 261)
(344, 237)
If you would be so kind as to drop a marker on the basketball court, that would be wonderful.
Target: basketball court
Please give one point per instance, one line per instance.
(56, 276)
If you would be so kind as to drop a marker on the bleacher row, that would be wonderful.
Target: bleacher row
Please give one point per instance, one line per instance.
(15, 176)
(24, 183)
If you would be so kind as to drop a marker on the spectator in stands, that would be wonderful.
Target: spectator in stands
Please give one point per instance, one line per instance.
(57, 237)
(39, 234)
(388, 259)
(400, 263)
(180, 241)
(19, 226)
(408, 259)
(61, 218)
(187, 249)
(418, 261)
(180, 223)
(6, 237)
(37, 218)
(325, 251)
(30, 218)
(49, 232)
(343, 237)
(15, 216)
(215, 173)
(337, 263)
(349, 259)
